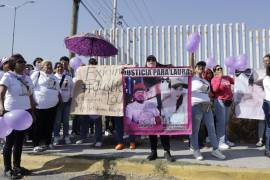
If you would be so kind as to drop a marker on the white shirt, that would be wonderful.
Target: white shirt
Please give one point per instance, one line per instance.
(46, 89)
(1, 74)
(266, 86)
(67, 86)
(17, 95)
(144, 113)
(199, 90)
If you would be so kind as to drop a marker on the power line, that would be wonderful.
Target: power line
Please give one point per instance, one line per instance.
(140, 12)
(93, 16)
(148, 12)
(105, 9)
(99, 13)
(108, 5)
(132, 12)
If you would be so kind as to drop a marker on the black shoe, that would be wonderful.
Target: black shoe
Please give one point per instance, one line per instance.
(152, 156)
(22, 171)
(11, 175)
(168, 156)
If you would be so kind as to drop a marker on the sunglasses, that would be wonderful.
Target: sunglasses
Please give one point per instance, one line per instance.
(149, 60)
(21, 62)
(219, 69)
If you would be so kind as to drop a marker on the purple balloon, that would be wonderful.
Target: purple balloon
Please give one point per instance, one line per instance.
(230, 61)
(241, 62)
(4, 129)
(210, 62)
(193, 42)
(75, 63)
(231, 70)
(18, 119)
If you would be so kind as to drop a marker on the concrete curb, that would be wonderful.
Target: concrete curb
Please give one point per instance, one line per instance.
(179, 170)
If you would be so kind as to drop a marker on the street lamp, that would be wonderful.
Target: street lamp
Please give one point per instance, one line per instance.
(14, 19)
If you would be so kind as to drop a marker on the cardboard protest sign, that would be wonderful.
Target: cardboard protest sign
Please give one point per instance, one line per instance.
(157, 101)
(98, 90)
(249, 94)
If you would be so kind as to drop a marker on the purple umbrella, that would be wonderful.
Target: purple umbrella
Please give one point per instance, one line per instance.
(87, 44)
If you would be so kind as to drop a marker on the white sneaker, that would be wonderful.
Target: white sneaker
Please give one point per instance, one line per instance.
(107, 133)
(67, 140)
(80, 141)
(223, 146)
(56, 140)
(217, 153)
(197, 154)
(231, 144)
(98, 144)
(37, 149)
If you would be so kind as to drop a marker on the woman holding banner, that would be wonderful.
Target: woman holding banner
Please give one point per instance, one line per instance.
(62, 115)
(151, 61)
(201, 111)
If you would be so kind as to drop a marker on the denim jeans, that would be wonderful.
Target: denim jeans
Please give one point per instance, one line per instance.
(198, 115)
(119, 127)
(266, 109)
(85, 121)
(222, 113)
(62, 116)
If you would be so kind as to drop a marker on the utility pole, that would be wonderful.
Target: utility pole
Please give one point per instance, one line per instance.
(74, 20)
(114, 19)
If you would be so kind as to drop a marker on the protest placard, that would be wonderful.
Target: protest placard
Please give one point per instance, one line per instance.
(157, 101)
(98, 91)
(249, 94)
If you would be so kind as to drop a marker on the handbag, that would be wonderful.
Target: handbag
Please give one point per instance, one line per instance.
(227, 103)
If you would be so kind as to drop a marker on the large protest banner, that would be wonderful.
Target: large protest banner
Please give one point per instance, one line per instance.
(157, 101)
(98, 91)
(249, 94)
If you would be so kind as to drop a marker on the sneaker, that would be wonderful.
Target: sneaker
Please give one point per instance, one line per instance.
(231, 144)
(8, 174)
(48, 146)
(56, 140)
(217, 153)
(132, 146)
(223, 146)
(98, 144)
(168, 156)
(22, 171)
(152, 156)
(81, 141)
(37, 149)
(67, 140)
(197, 154)
(107, 133)
(119, 146)
(259, 144)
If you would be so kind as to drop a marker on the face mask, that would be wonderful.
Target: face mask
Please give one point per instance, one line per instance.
(139, 96)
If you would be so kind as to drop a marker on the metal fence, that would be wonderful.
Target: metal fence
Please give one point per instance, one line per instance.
(168, 43)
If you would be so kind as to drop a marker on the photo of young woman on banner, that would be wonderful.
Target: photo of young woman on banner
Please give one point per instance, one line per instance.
(157, 105)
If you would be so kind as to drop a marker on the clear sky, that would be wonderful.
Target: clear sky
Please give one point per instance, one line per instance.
(42, 26)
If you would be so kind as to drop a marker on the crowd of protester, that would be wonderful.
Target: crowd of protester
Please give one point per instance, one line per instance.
(46, 91)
